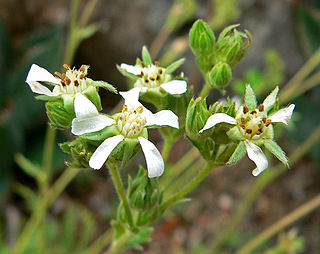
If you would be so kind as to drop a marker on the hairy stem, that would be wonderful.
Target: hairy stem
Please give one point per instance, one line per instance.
(121, 193)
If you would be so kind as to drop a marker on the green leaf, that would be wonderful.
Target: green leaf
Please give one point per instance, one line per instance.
(175, 65)
(276, 150)
(238, 153)
(106, 85)
(119, 229)
(146, 56)
(250, 99)
(271, 99)
(27, 166)
(88, 31)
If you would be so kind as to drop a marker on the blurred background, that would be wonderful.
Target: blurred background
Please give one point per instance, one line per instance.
(285, 35)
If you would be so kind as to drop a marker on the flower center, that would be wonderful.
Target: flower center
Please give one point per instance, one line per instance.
(131, 122)
(152, 76)
(73, 81)
(254, 123)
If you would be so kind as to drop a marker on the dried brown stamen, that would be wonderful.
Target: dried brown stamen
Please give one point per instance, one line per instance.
(152, 78)
(242, 126)
(264, 120)
(268, 122)
(58, 74)
(143, 65)
(259, 131)
(156, 63)
(67, 80)
(249, 131)
(242, 120)
(66, 66)
(245, 110)
(160, 71)
(261, 107)
(146, 80)
(82, 68)
(158, 77)
(253, 112)
(76, 83)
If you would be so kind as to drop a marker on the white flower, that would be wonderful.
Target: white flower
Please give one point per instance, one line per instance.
(130, 124)
(71, 82)
(154, 76)
(252, 125)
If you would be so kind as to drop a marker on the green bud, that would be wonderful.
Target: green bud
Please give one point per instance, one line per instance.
(202, 39)
(220, 75)
(197, 115)
(59, 117)
(232, 45)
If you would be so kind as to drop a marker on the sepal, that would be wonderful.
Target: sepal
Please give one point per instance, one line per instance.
(59, 117)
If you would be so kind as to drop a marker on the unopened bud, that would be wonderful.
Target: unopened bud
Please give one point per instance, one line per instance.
(220, 75)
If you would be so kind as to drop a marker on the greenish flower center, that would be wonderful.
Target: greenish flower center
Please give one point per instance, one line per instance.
(253, 123)
(131, 123)
(152, 76)
(73, 81)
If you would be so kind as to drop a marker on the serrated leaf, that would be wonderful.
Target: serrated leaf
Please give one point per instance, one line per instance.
(147, 60)
(105, 85)
(175, 65)
(250, 99)
(271, 99)
(276, 150)
(119, 229)
(238, 153)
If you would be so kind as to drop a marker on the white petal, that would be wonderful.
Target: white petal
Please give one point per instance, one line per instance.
(163, 117)
(103, 151)
(91, 124)
(283, 115)
(218, 118)
(175, 87)
(130, 68)
(154, 160)
(83, 107)
(131, 98)
(37, 73)
(257, 156)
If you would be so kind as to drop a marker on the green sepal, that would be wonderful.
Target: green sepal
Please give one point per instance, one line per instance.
(226, 31)
(175, 65)
(232, 56)
(127, 74)
(250, 99)
(119, 229)
(270, 100)
(47, 98)
(68, 102)
(276, 150)
(238, 153)
(58, 116)
(103, 134)
(139, 238)
(129, 150)
(92, 94)
(235, 134)
(147, 60)
(105, 85)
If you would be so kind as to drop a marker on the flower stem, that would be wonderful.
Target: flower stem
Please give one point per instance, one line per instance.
(121, 193)
(280, 225)
(189, 187)
(259, 185)
(205, 90)
(168, 142)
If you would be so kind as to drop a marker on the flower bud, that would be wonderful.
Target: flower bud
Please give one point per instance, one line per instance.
(59, 117)
(232, 45)
(202, 39)
(220, 75)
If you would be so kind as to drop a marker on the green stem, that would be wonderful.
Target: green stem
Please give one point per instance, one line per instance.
(189, 187)
(100, 243)
(205, 90)
(259, 185)
(48, 154)
(121, 193)
(280, 225)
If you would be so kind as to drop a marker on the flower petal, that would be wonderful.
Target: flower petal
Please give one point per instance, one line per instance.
(91, 124)
(130, 68)
(163, 117)
(37, 73)
(154, 160)
(283, 115)
(83, 107)
(103, 151)
(175, 87)
(131, 98)
(257, 156)
(218, 118)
